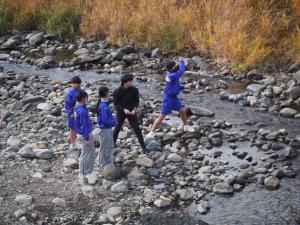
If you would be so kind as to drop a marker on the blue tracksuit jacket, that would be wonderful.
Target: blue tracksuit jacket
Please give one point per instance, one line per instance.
(83, 123)
(70, 100)
(105, 118)
(173, 86)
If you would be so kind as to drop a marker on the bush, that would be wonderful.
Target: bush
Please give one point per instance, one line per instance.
(6, 14)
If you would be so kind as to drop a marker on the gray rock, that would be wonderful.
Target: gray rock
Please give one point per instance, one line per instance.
(296, 76)
(186, 194)
(88, 191)
(92, 178)
(136, 175)
(15, 54)
(44, 106)
(81, 51)
(255, 87)
(174, 157)
(198, 111)
(43, 153)
(288, 112)
(50, 50)
(155, 52)
(277, 90)
(254, 75)
(111, 172)
(224, 95)
(19, 213)
(128, 49)
(271, 183)
(71, 163)
(244, 166)
(117, 55)
(26, 152)
(162, 202)
(143, 160)
(203, 207)
(120, 187)
(34, 99)
(24, 199)
(11, 43)
(295, 142)
(148, 195)
(13, 141)
(223, 188)
(4, 56)
(114, 211)
(293, 68)
(36, 39)
(59, 202)
(294, 92)
(153, 146)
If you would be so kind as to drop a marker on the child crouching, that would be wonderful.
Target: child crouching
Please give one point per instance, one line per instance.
(84, 127)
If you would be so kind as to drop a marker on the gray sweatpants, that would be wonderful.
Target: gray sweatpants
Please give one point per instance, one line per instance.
(87, 156)
(106, 147)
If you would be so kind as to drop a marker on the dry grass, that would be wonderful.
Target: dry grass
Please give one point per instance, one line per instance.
(245, 34)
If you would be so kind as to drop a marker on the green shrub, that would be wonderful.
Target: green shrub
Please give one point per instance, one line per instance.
(6, 13)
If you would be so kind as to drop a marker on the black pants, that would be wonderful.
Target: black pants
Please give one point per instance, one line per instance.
(134, 122)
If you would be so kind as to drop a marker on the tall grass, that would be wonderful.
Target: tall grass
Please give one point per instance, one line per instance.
(244, 34)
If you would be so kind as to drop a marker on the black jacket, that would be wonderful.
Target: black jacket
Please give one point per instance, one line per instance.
(126, 98)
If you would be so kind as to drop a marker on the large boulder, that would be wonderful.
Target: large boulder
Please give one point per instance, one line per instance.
(11, 43)
(288, 112)
(111, 172)
(36, 39)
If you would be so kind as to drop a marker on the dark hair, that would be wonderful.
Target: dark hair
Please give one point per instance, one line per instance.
(103, 92)
(81, 96)
(170, 65)
(75, 80)
(126, 77)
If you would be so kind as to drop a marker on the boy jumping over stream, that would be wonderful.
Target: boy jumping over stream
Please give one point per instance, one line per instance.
(170, 99)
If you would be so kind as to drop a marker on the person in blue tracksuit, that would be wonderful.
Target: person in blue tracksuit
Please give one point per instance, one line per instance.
(105, 121)
(70, 102)
(170, 99)
(84, 127)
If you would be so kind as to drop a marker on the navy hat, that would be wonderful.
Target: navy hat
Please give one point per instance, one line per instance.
(126, 77)
(75, 80)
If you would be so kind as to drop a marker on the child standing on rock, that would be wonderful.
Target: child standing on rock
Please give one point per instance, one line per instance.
(105, 122)
(170, 99)
(84, 127)
(70, 103)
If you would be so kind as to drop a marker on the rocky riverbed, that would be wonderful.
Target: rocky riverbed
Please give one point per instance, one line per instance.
(238, 166)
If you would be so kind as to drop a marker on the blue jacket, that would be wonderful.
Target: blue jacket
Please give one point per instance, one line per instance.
(105, 118)
(70, 100)
(83, 123)
(173, 86)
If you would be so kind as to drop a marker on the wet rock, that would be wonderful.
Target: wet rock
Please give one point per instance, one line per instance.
(143, 160)
(174, 157)
(254, 75)
(255, 87)
(244, 166)
(223, 188)
(271, 183)
(36, 39)
(198, 111)
(294, 93)
(288, 112)
(162, 202)
(24, 199)
(120, 187)
(111, 172)
(148, 195)
(59, 202)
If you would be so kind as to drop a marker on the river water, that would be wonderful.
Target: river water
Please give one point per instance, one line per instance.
(252, 206)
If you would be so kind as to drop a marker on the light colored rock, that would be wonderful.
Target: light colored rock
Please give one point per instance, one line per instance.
(120, 187)
(88, 191)
(71, 163)
(222, 188)
(288, 112)
(43, 153)
(37, 176)
(114, 211)
(255, 87)
(4, 56)
(294, 92)
(162, 202)
(36, 39)
(271, 183)
(174, 157)
(186, 194)
(148, 195)
(13, 141)
(277, 90)
(81, 51)
(155, 52)
(26, 152)
(44, 106)
(143, 160)
(199, 111)
(19, 213)
(92, 178)
(59, 202)
(252, 100)
(24, 199)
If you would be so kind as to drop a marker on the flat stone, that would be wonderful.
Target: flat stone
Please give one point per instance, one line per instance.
(162, 202)
(33, 100)
(26, 152)
(19, 213)
(120, 187)
(43, 153)
(198, 111)
(4, 56)
(288, 112)
(81, 51)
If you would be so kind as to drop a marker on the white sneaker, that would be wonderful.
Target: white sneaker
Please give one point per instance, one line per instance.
(92, 178)
(151, 134)
(188, 128)
(82, 179)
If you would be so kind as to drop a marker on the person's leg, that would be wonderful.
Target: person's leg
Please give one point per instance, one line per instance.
(87, 160)
(157, 122)
(183, 115)
(120, 121)
(134, 122)
(73, 136)
(106, 148)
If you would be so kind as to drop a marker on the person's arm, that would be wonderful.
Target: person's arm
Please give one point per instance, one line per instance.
(116, 98)
(179, 72)
(68, 103)
(104, 116)
(136, 99)
(85, 126)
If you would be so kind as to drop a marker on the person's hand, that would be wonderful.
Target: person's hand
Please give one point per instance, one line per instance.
(127, 112)
(133, 111)
(181, 58)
